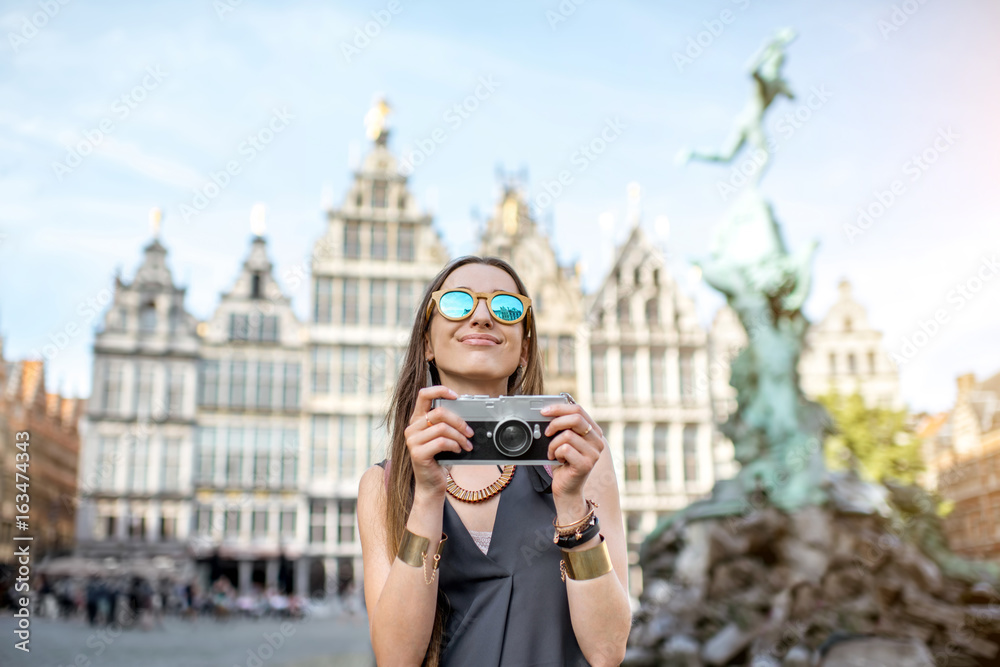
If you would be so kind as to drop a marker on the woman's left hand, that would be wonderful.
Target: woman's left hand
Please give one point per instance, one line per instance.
(577, 446)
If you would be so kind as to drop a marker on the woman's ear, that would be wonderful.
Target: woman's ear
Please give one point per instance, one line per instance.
(428, 350)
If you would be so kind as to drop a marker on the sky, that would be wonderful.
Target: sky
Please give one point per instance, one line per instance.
(887, 157)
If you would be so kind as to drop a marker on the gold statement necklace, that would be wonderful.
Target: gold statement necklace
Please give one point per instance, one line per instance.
(466, 496)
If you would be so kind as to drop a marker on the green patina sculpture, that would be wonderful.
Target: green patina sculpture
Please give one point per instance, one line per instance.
(777, 433)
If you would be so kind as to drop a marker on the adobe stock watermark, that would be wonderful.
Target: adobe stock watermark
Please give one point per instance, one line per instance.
(697, 44)
(224, 7)
(899, 16)
(785, 127)
(121, 108)
(33, 24)
(562, 12)
(248, 150)
(914, 168)
(418, 153)
(958, 296)
(266, 649)
(582, 158)
(363, 35)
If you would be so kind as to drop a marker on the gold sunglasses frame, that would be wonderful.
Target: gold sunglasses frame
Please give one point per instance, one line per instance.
(436, 300)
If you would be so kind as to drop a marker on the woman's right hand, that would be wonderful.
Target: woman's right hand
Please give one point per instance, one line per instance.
(431, 431)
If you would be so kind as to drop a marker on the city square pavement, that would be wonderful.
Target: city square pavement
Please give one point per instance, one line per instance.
(338, 640)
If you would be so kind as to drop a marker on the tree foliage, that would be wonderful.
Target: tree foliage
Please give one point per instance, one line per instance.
(876, 442)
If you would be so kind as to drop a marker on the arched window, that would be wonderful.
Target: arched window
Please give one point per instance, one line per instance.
(147, 316)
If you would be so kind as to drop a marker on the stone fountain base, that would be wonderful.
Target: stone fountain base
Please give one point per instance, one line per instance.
(817, 586)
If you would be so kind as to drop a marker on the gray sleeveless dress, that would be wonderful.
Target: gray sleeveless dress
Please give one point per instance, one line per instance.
(508, 607)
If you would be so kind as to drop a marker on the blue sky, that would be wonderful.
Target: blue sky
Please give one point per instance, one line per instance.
(199, 77)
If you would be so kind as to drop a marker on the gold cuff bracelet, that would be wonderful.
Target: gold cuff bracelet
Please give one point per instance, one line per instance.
(413, 551)
(589, 564)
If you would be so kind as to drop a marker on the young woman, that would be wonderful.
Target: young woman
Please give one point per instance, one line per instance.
(480, 564)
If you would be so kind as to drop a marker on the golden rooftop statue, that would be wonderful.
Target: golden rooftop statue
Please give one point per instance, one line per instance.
(155, 218)
(375, 121)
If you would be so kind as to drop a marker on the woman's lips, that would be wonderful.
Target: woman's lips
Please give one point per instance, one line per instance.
(478, 341)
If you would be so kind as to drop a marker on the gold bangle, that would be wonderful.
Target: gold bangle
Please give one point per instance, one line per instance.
(589, 564)
(413, 551)
(573, 527)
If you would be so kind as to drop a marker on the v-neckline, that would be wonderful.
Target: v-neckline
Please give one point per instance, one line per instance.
(493, 528)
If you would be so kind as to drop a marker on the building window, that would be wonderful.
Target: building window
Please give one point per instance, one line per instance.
(405, 250)
(321, 370)
(144, 395)
(262, 461)
(380, 194)
(543, 352)
(323, 300)
(258, 524)
(658, 372)
(291, 393)
(379, 242)
(852, 367)
(168, 527)
(653, 312)
(106, 463)
(349, 305)
(137, 527)
(631, 452)
(203, 522)
(175, 319)
(234, 458)
(377, 289)
(113, 388)
(231, 527)
(629, 382)
(286, 523)
(352, 240)
(237, 384)
(349, 369)
(147, 317)
(690, 452)
(256, 283)
(268, 328)
(209, 383)
(239, 326)
(598, 373)
(377, 365)
(265, 386)
(139, 465)
(833, 364)
(320, 446)
(206, 455)
(871, 363)
(404, 304)
(171, 466)
(345, 522)
(848, 325)
(567, 355)
(175, 391)
(661, 453)
(317, 522)
(687, 375)
(290, 458)
(346, 448)
(624, 316)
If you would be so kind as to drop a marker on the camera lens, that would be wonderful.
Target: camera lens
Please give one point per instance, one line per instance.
(513, 437)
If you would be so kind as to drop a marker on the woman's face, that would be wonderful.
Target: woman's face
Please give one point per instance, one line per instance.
(476, 355)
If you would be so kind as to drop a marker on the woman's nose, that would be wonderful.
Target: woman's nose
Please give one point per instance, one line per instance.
(482, 313)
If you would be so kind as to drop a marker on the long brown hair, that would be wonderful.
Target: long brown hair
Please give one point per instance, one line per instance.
(412, 378)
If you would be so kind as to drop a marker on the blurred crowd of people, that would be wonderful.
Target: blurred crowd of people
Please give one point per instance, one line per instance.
(144, 602)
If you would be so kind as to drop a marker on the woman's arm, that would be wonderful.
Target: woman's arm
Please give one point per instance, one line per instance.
(599, 607)
(400, 602)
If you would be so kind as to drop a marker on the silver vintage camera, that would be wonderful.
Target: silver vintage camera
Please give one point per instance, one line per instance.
(506, 429)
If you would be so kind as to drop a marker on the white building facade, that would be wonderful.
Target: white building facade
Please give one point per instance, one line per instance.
(135, 476)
